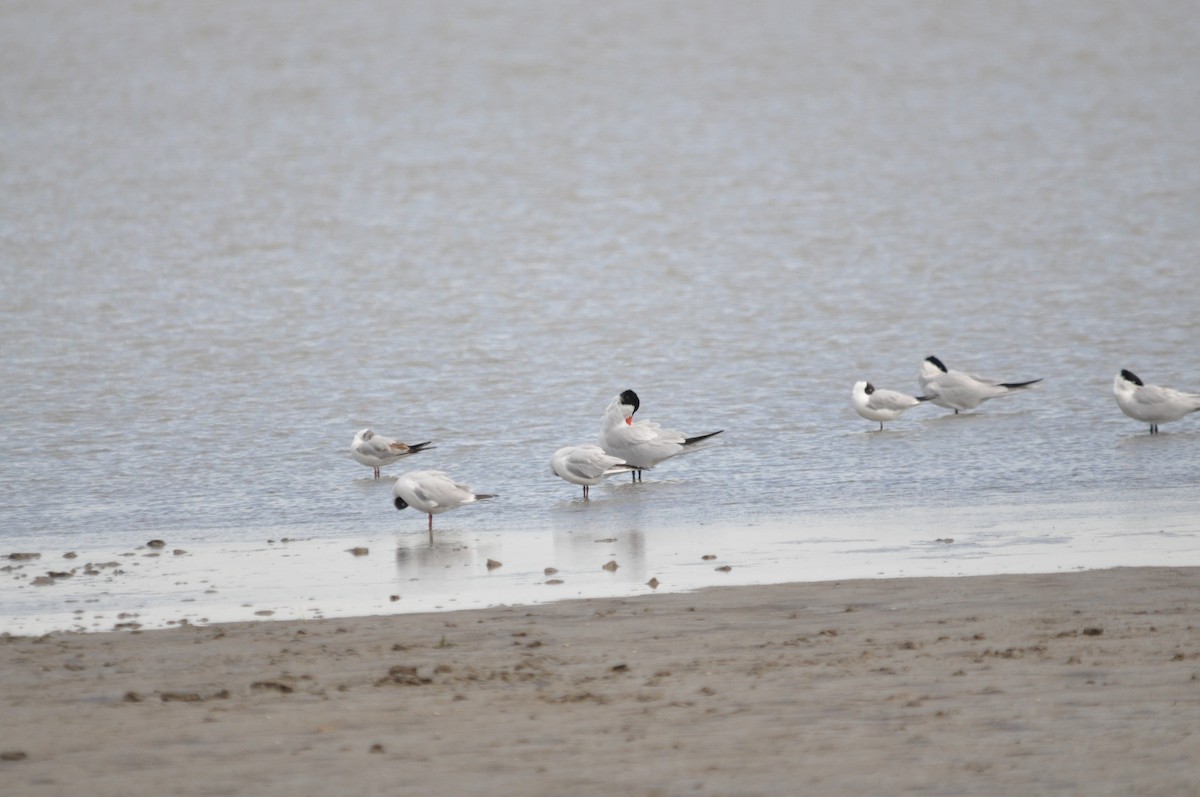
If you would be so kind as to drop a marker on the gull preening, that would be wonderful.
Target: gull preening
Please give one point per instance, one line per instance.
(376, 451)
(587, 465)
(432, 492)
(875, 404)
(642, 444)
(956, 390)
(1150, 403)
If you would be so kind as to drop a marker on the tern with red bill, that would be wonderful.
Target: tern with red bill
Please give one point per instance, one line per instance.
(642, 444)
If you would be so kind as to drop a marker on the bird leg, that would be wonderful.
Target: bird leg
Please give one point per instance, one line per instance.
(377, 472)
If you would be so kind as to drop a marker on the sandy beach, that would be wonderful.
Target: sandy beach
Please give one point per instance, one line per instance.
(1082, 683)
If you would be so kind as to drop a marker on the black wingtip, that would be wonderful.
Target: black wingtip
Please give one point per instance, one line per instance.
(415, 447)
(689, 441)
(485, 496)
(936, 363)
(1131, 377)
(925, 398)
(1017, 385)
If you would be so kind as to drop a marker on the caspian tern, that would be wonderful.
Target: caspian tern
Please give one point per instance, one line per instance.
(432, 492)
(956, 390)
(586, 465)
(882, 405)
(375, 450)
(1150, 403)
(642, 444)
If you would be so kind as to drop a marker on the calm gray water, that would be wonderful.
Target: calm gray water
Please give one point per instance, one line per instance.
(232, 234)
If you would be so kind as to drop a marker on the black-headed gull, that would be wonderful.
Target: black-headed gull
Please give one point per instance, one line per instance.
(882, 405)
(432, 492)
(376, 451)
(1150, 403)
(586, 465)
(956, 390)
(642, 444)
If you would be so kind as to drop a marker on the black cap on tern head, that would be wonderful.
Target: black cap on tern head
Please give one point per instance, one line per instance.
(936, 363)
(869, 388)
(400, 504)
(1130, 376)
(630, 398)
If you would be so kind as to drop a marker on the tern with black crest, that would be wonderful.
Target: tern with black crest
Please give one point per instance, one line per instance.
(642, 444)
(1150, 403)
(956, 390)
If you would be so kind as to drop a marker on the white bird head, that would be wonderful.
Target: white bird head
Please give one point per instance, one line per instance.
(932, 365)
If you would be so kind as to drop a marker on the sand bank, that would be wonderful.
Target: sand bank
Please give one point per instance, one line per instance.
(1070, 683)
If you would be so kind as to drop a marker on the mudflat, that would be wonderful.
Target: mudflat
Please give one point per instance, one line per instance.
(1074, 683)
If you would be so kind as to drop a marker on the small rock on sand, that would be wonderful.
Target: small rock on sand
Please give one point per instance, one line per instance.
(359, 551)
(611, 566)
(492, 564)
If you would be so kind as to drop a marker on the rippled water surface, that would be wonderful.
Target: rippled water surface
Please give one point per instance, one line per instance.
(233, 234)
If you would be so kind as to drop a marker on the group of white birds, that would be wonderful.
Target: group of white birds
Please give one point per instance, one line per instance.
(633, 446)
(957, 391)
(627, 446)
(954, 390)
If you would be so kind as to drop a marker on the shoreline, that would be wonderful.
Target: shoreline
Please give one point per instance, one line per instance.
(193, 580)
(999, 684)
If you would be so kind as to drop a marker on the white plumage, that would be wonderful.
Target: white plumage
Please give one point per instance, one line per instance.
(642, 444)
(586, 465)
(376, 451)
(1150, 403)
(876, 404)
(432, 492)
(956, 390)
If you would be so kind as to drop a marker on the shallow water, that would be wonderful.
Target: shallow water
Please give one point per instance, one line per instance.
(234, 235)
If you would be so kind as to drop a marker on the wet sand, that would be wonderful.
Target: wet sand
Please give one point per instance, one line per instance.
(1064, 683)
